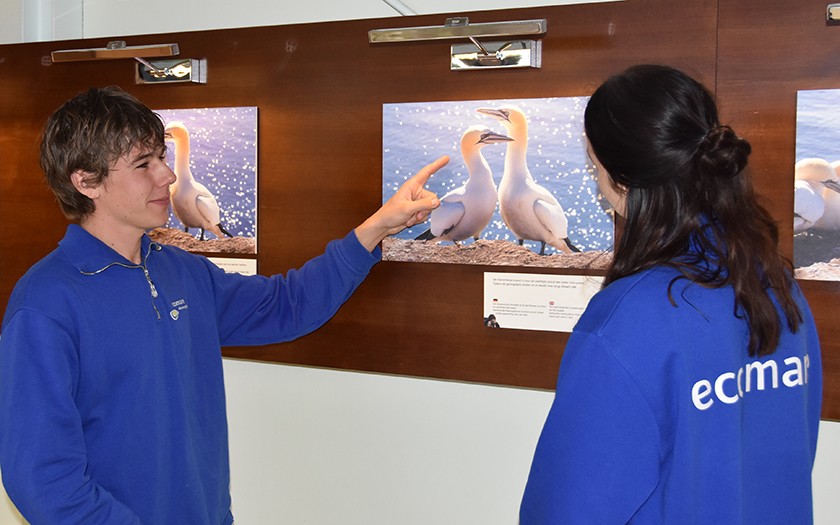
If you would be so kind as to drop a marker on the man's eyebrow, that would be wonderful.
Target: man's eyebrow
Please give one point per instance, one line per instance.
(142, 156)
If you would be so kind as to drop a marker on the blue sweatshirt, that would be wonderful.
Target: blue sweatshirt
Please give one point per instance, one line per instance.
(661, 417)
(112, 403)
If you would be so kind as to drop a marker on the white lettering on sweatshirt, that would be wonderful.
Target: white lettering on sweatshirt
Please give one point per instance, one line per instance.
(730, 387)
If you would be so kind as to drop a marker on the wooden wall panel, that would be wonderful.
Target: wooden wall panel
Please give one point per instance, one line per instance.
(320, 90)
(769, 50)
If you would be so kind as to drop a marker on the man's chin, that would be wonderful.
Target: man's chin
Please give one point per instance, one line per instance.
(159, 225)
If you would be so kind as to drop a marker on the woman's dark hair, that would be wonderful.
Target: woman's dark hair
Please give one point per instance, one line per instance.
(689, 204)
(89, 133)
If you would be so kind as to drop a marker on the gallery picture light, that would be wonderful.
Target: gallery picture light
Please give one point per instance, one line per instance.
(148, 70)
(832, 14)
(478, 55)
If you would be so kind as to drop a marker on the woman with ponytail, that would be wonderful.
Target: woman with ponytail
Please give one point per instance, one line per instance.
(689, 391)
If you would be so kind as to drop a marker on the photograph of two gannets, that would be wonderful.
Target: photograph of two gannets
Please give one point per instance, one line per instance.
(520, 189)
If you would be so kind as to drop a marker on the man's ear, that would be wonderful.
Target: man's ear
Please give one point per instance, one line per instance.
(83, 182)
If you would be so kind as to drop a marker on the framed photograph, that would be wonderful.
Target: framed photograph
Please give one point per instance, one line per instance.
(519, 189)
(816, 207)
(213, 152)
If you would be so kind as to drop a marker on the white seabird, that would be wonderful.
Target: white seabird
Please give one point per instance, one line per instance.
(529, 210)
(816, 197)
(808, 205)
(192, 202)
(830, 219)
(465, 211)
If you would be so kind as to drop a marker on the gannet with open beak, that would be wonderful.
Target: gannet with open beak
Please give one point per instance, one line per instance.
(192, 202)
(816, 197)
(529, 210)
(465, 211)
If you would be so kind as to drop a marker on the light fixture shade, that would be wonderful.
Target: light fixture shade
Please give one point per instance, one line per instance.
(116, 49)
(460, 30)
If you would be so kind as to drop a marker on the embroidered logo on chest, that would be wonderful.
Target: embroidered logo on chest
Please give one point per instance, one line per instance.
(177, 306)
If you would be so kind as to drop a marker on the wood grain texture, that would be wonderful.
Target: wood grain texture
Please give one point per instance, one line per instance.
(768, 51)
(320, 89)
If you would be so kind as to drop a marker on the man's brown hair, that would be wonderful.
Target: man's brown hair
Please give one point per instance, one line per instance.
(89, 133)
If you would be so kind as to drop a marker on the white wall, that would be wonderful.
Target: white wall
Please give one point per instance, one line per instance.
(11, 23)
(107, 17)
(39, 20)
(330, 447)
(327, 447)
(344, 448)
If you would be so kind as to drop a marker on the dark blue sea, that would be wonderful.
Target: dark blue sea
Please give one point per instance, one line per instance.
(415, 134)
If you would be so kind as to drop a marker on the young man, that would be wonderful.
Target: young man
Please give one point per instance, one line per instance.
(112, 406)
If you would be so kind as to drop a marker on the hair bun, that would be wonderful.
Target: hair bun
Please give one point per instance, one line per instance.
(722, 153)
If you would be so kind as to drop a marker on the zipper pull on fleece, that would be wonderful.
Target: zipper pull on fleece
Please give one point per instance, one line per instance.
(151, 284)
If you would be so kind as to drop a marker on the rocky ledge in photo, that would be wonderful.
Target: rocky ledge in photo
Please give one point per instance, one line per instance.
(186, 241)
(491, 253)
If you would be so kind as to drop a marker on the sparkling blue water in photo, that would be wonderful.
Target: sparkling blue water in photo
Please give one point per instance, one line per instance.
(414, 134)
(223, 158)
(818, 124)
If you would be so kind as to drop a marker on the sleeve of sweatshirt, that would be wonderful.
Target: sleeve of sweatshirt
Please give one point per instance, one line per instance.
(597, 458)
(259, 310)
(42, 449)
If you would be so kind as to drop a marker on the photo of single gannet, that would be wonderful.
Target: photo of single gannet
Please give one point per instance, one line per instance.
(816, 186)
(465, 211)
(192, 202)
(529, 210)
(213, 152)
(559, 169)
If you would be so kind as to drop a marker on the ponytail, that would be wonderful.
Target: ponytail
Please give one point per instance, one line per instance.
(689, 202)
